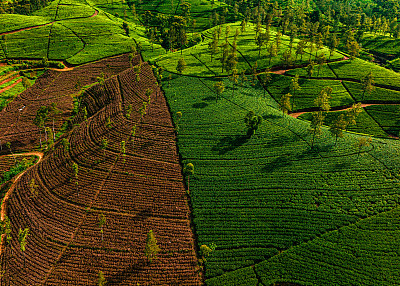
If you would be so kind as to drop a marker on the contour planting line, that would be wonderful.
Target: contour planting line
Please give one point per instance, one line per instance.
(304, 243)
(46, 24)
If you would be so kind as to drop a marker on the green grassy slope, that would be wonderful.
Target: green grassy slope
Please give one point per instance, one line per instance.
(78, 35)
(254, 197)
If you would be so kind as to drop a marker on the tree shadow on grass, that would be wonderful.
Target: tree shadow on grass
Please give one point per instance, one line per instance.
(209, 98)
(125, 274)
(276, 164)
(200, 105)
(230, 143)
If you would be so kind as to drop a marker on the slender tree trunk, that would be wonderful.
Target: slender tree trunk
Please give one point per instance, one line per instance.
(188, 183)
(54, 134)
(40, 131)
(312, 143)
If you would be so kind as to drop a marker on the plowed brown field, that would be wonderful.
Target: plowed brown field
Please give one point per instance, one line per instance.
(138, 190)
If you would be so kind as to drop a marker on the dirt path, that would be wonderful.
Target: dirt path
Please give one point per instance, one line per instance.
(15, 180)
(10, 86)
(96, 12)
(8, 77)
(283, 71)
(297, 114)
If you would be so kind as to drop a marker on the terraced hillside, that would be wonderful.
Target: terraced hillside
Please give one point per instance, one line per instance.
(54, 87)
(134, 180)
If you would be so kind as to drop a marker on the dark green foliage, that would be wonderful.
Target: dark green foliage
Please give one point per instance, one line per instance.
(20, 167)
(252, 122)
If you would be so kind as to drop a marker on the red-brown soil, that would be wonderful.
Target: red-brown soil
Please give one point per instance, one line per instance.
(139, 190)
(57, 87)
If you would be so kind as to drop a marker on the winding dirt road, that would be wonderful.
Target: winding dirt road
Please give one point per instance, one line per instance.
(15, 180)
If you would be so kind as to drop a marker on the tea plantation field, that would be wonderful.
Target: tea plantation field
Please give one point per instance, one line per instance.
(259, 198)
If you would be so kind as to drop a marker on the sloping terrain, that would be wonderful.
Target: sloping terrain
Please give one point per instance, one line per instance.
(137, 187)
(270, 196)
(54, 87)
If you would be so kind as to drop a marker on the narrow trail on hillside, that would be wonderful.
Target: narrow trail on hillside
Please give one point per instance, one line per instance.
(96, 12)
(297, 114)
(10, 86)
(15, 180)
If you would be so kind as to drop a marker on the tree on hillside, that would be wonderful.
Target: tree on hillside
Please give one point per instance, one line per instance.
(40, 119)
(333, 44)
(320, 59)
(26, 83)
(33, 188)
(234, 78)
(318, 44)
(109, 123)
(8, 145)
(101, 79)
(352, 113)
(181, 65)
(213, 45)
(310, 69)
(219, 88)
(123, 150)
(265, 79)
(367, 84)
(316, 125)
(294, 87)
(5, 228)
(103, 145)
(50, 142)
(278, 40)
(284, 103)
(178, 119)
(354, 49)
(337, 127)
(22, 237)
(152, 248)
(224, 56)
(272, 51)
(312, 48)
(243, 25)
(188, 170)
(322, 100)
(65, 144)
(300, 50)
(252, 122)
(102, 221)
(102, 280)
(75, 170)
(362, 142)
(205, 251)
(287, 58)
(126, 28)
(260, 40)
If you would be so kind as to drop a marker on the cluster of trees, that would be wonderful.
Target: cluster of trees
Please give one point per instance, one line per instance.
(170, 30)
(342, 122)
